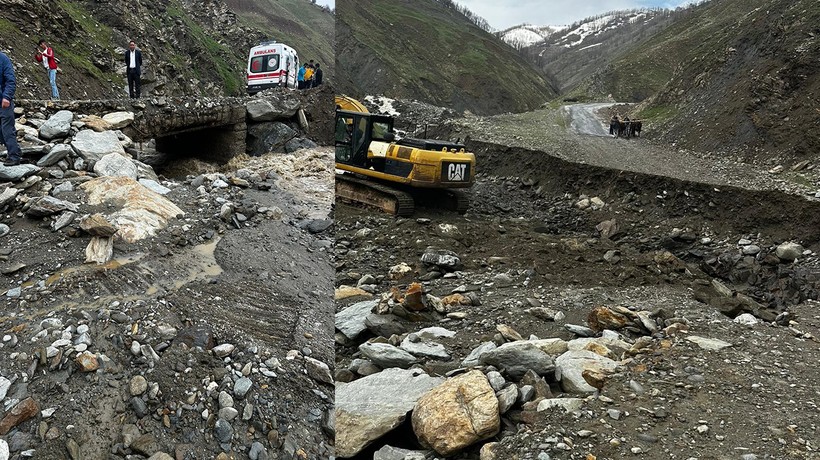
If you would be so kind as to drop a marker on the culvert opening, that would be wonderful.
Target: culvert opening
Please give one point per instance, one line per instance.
(211, 144)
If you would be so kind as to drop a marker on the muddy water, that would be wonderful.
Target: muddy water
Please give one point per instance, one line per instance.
(147, 276)
(197, 264)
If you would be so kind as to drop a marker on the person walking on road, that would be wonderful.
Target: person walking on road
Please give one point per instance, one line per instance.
(8, 134)
(47, 53)
(133, 64)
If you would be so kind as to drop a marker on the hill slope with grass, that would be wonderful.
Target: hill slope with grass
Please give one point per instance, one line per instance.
(735, 75)
(189, 48)
(429, 51)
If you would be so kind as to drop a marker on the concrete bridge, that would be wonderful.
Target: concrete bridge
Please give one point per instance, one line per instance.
(208, 128)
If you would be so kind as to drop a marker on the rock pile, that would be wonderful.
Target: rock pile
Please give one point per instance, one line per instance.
(501, 382)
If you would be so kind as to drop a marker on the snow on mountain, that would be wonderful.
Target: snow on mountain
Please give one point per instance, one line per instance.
(581, 33)
(578, 34)
(527, 34)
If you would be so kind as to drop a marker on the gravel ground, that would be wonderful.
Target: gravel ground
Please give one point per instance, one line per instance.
(537, 259)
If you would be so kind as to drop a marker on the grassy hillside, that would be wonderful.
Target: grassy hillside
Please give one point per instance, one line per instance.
(571, 56)
(428, 51)
(308, 28)
(188, 49)
(736, 75)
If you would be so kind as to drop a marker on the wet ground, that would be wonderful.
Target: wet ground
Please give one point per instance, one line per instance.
(530, 240)
(257, 285)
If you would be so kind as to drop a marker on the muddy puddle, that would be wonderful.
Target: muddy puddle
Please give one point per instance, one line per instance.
(135, 277)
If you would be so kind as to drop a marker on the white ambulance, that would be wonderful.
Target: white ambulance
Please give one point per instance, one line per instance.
(271, 65)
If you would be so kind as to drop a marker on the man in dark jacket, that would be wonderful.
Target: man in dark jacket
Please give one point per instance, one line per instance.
(8, 84)
(133, 64)
(317, 76)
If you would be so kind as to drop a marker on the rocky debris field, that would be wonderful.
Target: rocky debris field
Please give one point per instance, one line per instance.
(162, 316)
(579, 312)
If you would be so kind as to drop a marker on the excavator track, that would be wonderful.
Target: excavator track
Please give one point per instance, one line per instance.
(462, 200)
(447, 199)
(370, 194)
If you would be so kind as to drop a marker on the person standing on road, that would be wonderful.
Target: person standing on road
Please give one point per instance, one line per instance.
(47, 53)
(309, 75)
(133, 64)
(317, 76)
(8, 134)
(300, 77)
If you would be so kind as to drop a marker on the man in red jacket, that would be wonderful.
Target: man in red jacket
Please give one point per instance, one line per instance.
(48, 54)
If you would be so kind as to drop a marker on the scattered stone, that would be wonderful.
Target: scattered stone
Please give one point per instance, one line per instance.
(22, 411)
(241, 387)
(87, 362)
(568, 404)
(708, 344)
(318, 370)
(138, 385)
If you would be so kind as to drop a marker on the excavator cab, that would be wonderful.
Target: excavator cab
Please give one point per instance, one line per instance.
(354, 133)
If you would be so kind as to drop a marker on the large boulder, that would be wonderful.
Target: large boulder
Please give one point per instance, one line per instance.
(140, 212)
(789, 251)
(92, 146)
(48, 205)
(370, 407)
(516, 358)
(57, 153)
(271, 109)
(299, 143)
(351, 320)
(569, 368)
(457, 414)
(119, 120)
(57, 125)
(115, 164)
(268, 137)
(17, 173)
(385, 355)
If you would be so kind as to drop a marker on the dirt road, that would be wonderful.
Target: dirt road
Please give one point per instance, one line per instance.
(584, 119)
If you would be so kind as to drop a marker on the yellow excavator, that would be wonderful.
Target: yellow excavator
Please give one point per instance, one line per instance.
(377, 170)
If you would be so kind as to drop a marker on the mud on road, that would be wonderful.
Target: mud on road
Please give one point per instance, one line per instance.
(208, 340)
(546, 242)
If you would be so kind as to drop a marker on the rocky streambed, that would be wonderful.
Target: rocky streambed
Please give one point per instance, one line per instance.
(151, 316)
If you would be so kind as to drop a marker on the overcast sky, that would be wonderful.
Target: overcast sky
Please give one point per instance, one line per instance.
(502, 14)
(330, 3)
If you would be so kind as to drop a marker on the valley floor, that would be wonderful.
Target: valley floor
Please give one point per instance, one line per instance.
(565, 226)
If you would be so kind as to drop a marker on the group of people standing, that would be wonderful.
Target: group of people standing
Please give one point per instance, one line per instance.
(46, 57)
(309, 75)
(133, 64)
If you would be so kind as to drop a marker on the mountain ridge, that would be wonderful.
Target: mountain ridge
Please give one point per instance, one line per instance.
(430, 51)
